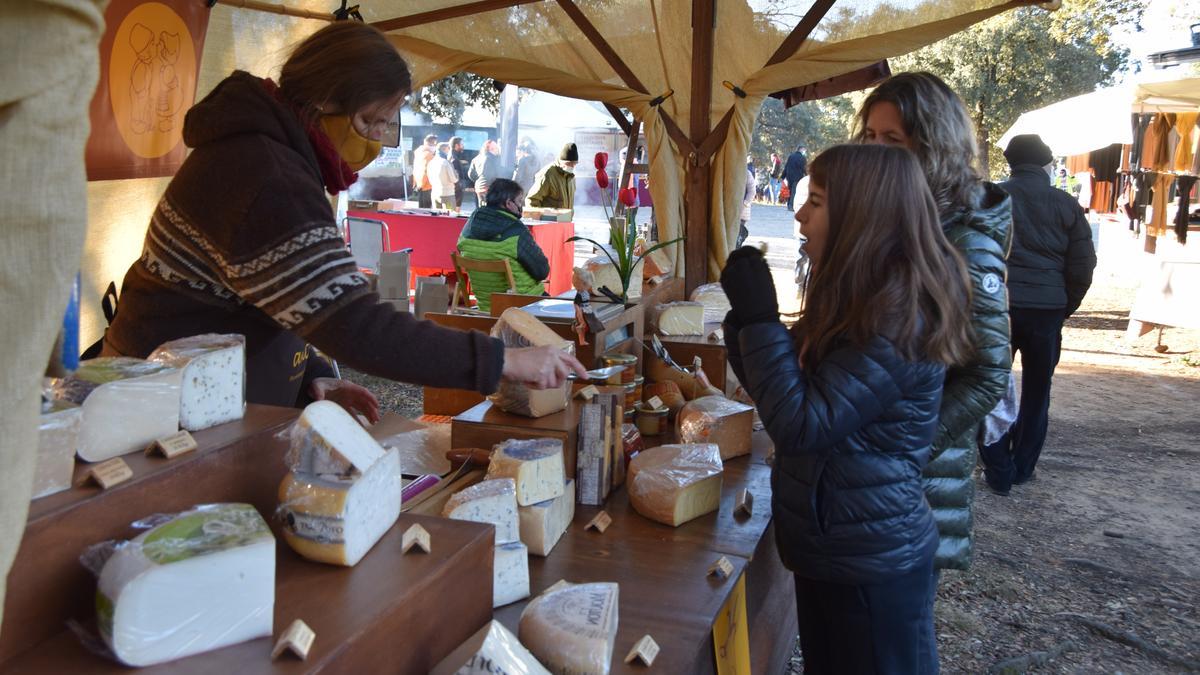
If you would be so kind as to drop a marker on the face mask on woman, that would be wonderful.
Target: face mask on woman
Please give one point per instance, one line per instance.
(356, 150)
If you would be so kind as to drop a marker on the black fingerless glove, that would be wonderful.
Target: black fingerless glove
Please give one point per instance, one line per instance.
(749, 287)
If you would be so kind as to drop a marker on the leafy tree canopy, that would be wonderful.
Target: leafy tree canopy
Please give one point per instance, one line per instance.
(451, 95)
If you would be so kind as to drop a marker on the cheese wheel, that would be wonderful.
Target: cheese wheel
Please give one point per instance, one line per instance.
(491, 651)
(213, 388)
(716, 304)
(336, 521)
(327, 440)
(203, 580)
(536, 466)
(491, 501)
(571, 628)
(716, 419)
(678, 318)
(672, 484)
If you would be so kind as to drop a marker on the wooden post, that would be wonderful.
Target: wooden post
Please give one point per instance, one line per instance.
(630, 157)
(699, 169)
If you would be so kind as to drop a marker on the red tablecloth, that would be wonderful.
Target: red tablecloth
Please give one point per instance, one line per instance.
(433, 238)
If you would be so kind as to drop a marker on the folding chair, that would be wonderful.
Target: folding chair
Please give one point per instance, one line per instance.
(368, 239)
(462, 268)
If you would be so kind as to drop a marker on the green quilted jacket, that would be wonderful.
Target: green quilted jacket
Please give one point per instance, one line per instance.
(983, 237)
(494, 234)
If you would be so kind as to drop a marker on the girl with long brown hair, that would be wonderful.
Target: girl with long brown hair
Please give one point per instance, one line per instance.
(850, 398)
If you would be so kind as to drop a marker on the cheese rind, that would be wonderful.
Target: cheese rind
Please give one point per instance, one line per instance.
(58, 435)
(543, 524)
(327, 440)
(536, 466)
(494, 650)
(337, 520)
(510, 574)
(203, 580)
(679, 318)
(518, 328)
(716, 419)
(673, 484)
(572, 628)
(213, 387)
(716, 303)
(491, 501)
(127, 404)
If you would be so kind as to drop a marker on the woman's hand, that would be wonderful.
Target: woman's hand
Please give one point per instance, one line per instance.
(747, 283)
(540, 367)
(356, 399)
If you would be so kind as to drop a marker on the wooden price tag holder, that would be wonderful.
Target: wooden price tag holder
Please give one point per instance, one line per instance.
(644, 650)
(587, 393)
(600, 523)
(109, 473)
(297, 639)
(744, 503)
(722, 568)
(655, 403)
(415, 536)
(173, 446)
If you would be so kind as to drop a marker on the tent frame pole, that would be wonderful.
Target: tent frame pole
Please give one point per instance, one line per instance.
(698, 183)
(273, 9)
(455, 12)
(634, 131)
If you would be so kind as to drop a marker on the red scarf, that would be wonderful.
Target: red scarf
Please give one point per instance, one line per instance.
(336, 173)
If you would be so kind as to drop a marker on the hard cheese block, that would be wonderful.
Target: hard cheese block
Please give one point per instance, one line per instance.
(673, 484)
(518, 328)
(716, 419)
(127, 404)
(535, 465)
(494, 650)
(542, 524)
(604, 273)
(510, 574)
(679, 318)
(571, 628)
(336, 520)
(491, 501)
(327, 440)
(58, 434)
(203, 580)
(213, 389)
(716, 304)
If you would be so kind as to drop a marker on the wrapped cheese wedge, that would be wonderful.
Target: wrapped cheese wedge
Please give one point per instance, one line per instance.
(716, 419)
(518, 328)
(571, 628)
(494, 649)
(336, 520)
(127, 404)
(673, 484)
(58, 435)
(327, 440)
(213, 390)
(201, 580)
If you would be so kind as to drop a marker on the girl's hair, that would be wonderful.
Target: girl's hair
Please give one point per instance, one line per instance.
(887, 268)
(941, 133)
(346, 64)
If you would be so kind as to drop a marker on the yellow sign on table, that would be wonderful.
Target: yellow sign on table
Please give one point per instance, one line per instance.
(731, 634)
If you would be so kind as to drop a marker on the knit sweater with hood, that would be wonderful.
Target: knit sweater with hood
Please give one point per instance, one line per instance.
(245, 241)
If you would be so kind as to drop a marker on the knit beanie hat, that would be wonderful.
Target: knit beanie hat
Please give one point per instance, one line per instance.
(569, 153)
(1028, 149)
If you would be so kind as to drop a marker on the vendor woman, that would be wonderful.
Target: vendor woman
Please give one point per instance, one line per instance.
(244, 239)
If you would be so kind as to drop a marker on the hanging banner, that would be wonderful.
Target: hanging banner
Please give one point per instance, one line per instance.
(149, 66)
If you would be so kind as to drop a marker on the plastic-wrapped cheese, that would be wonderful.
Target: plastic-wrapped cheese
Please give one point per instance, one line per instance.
(203, 580)
(518, 328)
(535, 465)
(491, 501)
(127, 404)
(494, 650)
(571, 628)
(716, 419)
(510, 574)
(336, 520)
(673, 484)
(542, 524)
(716, 304)
(58, 435)
(679, 318)
(327, 440)
(604, 273)
(213, 389)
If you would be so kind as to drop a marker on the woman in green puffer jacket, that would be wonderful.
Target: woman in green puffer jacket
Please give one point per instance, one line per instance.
(919, 112)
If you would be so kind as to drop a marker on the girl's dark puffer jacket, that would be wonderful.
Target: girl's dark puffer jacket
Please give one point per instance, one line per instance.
(851, 440)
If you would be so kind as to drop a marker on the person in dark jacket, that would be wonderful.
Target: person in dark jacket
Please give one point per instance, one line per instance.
(1049, 272)
(919, 112)
(458, 162)
(795, 169)
(850, 398)
(495, 232)
(255, 250)
(526, 169)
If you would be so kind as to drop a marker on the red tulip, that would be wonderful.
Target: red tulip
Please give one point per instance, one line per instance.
(601, 160)
(628, 197)
(602, 178)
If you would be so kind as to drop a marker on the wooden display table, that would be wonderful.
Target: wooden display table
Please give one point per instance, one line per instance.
(435, 601)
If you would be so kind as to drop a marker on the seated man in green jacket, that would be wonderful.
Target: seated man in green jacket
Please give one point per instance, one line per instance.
(495, 232)
(554, 186)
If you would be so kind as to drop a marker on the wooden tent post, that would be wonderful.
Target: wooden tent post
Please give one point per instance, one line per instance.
(698, 182)
(630, 157)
